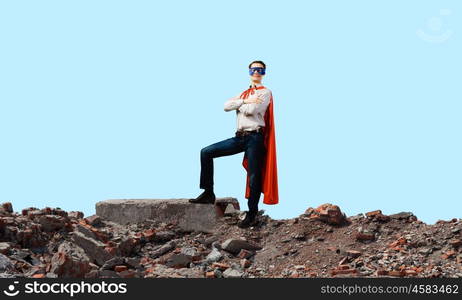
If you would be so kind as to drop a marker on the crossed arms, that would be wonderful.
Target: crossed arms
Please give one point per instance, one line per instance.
(256, 103)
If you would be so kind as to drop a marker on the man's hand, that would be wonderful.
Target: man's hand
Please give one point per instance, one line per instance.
(257, 100)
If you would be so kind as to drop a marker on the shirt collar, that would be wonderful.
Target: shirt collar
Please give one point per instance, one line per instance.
(256, 84)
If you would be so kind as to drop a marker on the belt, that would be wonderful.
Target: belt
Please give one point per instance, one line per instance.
(247, 132)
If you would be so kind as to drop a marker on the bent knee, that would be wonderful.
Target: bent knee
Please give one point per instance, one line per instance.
(206, 151)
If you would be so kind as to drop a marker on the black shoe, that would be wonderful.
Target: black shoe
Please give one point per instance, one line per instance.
(207, 197)
(249, 220)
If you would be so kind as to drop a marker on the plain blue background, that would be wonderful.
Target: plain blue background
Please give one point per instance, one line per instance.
(115, 99)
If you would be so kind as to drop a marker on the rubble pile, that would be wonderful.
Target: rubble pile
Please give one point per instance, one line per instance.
(322, 242)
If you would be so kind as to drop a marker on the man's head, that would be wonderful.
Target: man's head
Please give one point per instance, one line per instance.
(257, 71)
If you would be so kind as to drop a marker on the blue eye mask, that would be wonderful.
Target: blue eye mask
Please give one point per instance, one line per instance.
(260, 70)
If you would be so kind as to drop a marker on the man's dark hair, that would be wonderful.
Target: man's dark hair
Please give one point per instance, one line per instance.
(257, 61)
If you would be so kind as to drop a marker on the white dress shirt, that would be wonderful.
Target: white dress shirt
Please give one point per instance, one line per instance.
(250, 116)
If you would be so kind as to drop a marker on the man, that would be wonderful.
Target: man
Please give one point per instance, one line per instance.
(256, 136)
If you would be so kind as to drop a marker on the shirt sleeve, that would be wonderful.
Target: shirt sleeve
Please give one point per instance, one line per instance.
(255, 108)
(233, 103)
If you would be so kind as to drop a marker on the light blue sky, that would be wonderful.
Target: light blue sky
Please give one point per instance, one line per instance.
(115, 99)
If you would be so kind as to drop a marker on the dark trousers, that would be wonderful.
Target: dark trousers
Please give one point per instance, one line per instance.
(254, 147)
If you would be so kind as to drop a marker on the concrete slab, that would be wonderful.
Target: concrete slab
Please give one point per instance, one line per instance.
(188, 216)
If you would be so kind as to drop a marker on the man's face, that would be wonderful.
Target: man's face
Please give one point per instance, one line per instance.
(256, 77)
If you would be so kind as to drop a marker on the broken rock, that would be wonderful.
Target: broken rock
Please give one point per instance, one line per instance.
(179, 260)
(7, 207)
(94, 249)
(75, 214)
(163, 236)
(70, 261)
(328, 213)
(4, 247)
(232, 273)
(365, 234)
(5, 263)
(234, 246)
(214, 256)
(189, 217)
(52, 222)
(115, 261)
(93, 220)
(163, 249)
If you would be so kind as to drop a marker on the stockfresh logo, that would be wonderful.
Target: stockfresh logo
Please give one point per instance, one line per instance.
(66, 288)
(11, 290)
(435, 31)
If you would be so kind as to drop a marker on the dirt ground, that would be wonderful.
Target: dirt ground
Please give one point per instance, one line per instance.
(322, 242)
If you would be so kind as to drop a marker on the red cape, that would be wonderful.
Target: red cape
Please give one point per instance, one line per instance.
(269, 171)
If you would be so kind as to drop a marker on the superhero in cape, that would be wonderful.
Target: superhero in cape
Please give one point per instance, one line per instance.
(256, 137)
